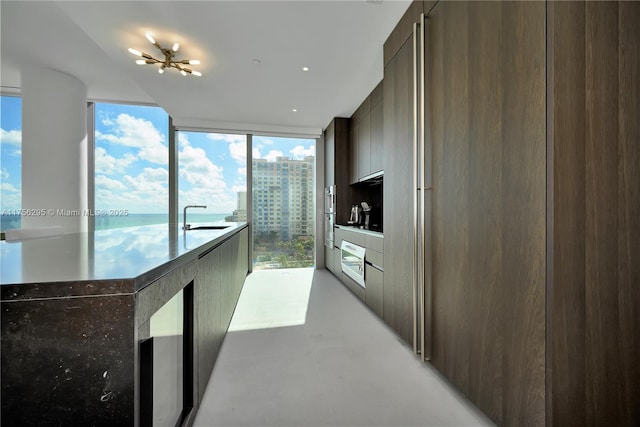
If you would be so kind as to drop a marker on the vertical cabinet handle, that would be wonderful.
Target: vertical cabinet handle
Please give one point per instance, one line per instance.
(416, 198)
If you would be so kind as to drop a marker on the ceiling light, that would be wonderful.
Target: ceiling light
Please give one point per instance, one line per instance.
(295, 110)
(305, 68)
(168, 61)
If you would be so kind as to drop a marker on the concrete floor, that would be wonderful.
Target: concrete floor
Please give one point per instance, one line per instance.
(337, 366)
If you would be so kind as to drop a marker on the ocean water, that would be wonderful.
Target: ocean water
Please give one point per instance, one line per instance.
(132, 220)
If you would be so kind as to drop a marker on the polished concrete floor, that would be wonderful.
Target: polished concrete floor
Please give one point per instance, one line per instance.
(338, 365)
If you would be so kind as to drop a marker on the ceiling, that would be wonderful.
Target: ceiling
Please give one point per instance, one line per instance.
(340, 41)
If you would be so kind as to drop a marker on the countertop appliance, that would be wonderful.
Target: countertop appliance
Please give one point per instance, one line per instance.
(352, 261)
(355, 216)
(329, 214)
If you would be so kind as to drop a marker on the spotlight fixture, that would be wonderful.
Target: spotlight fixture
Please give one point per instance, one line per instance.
(168, 61)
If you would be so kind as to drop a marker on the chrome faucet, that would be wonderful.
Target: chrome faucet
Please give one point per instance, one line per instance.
(186, 226)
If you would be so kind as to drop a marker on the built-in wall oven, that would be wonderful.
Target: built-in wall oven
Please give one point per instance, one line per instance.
(329, 215)
(352, 260)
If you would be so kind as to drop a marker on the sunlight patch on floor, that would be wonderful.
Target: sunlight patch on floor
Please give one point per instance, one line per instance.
(273, 299)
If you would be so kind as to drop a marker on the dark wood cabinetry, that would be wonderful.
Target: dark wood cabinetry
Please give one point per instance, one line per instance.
(365, 137)
(593, 230)
(372, 295)
(377, 137)
(337, 161)
(398, 199)
(533, 160)
(486, 87)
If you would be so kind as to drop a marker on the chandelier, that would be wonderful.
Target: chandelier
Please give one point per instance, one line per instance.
(168, 61)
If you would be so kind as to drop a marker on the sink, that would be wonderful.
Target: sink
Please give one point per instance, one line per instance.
(210, 227)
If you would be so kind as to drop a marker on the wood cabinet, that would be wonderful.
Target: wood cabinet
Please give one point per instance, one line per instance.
(531, 121)
(372, 295)
(398, 197)
(365, 137)
(329, 259)
(593, 232)
(337, 165)
(377, 138)
(374, 276)
(218, 283)
(486, 115)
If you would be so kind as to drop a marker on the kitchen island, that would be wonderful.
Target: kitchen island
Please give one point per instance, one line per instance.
(77, 310)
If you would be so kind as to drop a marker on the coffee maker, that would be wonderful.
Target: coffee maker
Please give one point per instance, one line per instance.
(366, 215)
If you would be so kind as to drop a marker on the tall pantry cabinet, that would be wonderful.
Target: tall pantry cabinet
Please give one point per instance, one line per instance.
(532, 136)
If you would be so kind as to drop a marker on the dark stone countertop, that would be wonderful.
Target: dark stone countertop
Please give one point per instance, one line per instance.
(122, 260)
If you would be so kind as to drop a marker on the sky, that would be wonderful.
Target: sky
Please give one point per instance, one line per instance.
(131, 160)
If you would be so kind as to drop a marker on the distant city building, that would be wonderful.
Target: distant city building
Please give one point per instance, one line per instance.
(240, 214)
(283, 197)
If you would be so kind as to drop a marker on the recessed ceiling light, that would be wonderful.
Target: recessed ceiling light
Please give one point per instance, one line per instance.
(305, 68)
(295, 110)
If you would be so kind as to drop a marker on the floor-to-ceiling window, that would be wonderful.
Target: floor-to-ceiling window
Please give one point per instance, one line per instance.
(10, 161)
(283, 176)
(131, 165)
(213, 173)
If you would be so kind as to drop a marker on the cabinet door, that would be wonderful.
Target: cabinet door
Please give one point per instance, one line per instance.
(376, 137)
(328, 258)
(210, 333)
(398, 204)
(354, 129)
(486, 82)
(374, 291)
(329, 154)
(364, 139)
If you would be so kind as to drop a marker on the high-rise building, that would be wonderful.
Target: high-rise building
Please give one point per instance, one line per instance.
(283, 197)
(240, 214)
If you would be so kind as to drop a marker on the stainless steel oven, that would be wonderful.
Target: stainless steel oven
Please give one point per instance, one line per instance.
(329, 222)
(329, 214)
(330, 199)
(352, 260)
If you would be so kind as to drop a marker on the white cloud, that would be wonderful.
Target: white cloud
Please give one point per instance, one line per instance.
(198, 170)
(299, 152)
(273, 154)
(183, 139)
(238, 151)
(102, 181)
(5, 186)
(239, 188)
(147, 192)
(242, 171)
(13, 137)
(154, 175)
(138, 133)
(4, 174)
(156, 153)
(106, 164)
